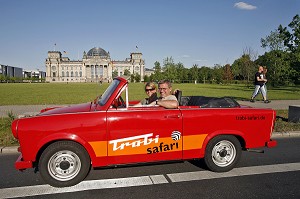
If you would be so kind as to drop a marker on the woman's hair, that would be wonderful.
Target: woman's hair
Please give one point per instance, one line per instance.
(150, 84)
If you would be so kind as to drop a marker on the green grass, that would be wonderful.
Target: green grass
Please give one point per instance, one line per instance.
(6, 137)
(73, 93)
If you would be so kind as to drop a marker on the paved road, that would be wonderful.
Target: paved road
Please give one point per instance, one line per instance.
(273, 174)
(31, 109)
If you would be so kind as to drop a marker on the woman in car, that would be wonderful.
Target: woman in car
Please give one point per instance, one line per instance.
(151, 91)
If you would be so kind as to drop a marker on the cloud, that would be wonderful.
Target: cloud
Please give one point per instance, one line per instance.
(200, 60)
(185, 56)
(244, 6)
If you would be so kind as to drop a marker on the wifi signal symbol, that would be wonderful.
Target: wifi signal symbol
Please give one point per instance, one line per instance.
(176, 135)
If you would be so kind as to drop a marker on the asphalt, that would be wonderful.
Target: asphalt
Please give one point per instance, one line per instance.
(23, 110)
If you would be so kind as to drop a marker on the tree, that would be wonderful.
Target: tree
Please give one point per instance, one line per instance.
(132, 78)
(291, 39)
(273, 41)
(204, 74)
(278, 65)
(193, 73)
(126, 72)
(137, 77)
(218, 74)
(169, 69)
(114, 73)
(227, 73)
(157, 75)
(181, 74)
(147, 78)
(244, 67)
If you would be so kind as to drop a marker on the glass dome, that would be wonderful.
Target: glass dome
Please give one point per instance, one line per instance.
(97, 52)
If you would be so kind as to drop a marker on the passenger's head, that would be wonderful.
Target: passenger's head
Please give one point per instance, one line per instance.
(150, 88)
(265, 70)
(165, 88)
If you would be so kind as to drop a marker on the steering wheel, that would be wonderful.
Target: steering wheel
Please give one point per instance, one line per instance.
(119, 103)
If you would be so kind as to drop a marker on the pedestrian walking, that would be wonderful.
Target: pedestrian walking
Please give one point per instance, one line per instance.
(259, 82)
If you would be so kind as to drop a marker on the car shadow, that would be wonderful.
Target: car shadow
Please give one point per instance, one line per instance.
(199, 163)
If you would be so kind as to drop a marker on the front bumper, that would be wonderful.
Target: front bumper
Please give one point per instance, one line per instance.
(271, 143)
(20, 164)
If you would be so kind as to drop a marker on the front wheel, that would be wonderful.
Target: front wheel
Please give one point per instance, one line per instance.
(222, 153)
(64, 163)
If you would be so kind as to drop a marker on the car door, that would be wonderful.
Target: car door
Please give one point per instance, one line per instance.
(144, 134)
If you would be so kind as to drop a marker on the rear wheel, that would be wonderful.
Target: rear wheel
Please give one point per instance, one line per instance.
(64, 163)
(222, 153)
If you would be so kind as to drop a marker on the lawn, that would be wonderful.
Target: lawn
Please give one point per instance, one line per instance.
(73, 93)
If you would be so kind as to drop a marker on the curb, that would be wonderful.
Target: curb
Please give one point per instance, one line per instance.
(286, 134)
(289, 134)
(9, 149)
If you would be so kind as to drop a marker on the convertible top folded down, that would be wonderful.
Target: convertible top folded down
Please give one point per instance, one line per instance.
(208, 102)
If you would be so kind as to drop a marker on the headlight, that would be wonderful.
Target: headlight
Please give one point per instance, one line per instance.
(14, 128)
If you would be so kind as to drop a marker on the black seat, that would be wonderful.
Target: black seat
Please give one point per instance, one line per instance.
(178, 95)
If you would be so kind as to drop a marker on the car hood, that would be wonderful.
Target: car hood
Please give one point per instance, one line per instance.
(86, 107)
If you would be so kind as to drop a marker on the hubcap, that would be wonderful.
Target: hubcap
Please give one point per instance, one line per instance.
(64, 165)
(223, 153)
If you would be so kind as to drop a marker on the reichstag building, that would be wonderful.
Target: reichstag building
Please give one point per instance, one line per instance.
(95, 66)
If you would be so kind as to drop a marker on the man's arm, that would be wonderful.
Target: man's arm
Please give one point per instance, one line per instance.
(168, 103)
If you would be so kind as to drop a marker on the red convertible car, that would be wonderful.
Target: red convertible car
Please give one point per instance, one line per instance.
(63, 143)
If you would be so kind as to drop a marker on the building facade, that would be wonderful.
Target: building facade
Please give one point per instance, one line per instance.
(95, 66)
(11, 71)
(37, 74)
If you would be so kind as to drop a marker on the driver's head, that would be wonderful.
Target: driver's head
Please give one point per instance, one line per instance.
(165, 88)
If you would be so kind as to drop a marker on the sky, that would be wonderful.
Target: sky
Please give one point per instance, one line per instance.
(190, 31)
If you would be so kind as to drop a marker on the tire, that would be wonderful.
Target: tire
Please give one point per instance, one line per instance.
(222, 153)
(64, 164)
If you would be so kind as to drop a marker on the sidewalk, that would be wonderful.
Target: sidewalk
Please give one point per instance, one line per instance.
(275, 135)
(23, 109)
(275, 104)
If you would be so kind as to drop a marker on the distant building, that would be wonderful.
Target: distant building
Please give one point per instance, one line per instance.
(37, 74)
(95, 66)
(149, 72)
(11, 71)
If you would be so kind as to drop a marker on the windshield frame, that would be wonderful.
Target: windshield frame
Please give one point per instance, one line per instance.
(108, 92)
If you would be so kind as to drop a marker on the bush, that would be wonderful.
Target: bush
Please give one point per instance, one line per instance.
(6, 137)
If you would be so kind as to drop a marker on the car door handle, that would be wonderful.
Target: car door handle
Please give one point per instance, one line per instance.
(172, 116)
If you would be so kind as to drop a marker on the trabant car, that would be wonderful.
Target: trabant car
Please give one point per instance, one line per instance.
(64, 143)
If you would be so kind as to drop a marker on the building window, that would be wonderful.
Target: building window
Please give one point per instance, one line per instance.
(62, 73)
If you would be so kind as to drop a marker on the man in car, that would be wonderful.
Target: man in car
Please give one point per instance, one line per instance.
(166, 98)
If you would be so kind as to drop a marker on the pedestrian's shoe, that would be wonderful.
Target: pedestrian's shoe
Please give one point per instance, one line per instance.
(252, 100)
(267, 101)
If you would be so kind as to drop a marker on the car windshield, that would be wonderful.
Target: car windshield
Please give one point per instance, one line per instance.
(108, 92)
